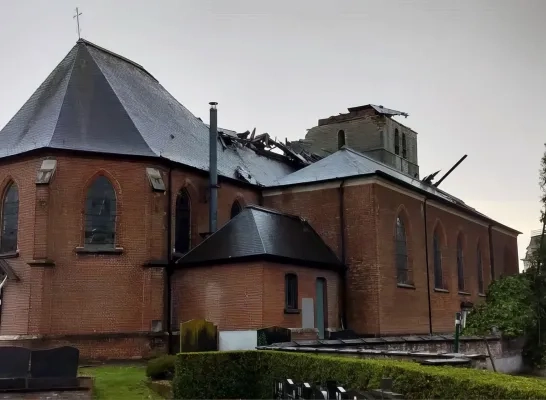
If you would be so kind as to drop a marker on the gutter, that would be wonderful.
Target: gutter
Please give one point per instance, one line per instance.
(427, 265)
(343, 255)
(169, 267)
(491, 252)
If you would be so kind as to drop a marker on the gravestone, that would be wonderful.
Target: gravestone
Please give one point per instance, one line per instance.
(273, 334)
(54, 368)
(305, 391)
(198, 335)
(14, 362)
(307, 313)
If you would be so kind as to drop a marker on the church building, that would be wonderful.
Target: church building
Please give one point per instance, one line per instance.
(124, 215)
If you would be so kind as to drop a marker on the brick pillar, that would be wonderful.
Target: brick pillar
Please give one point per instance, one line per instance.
(41, 217)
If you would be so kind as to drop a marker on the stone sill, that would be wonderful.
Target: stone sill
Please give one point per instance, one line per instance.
(406, 286)
(482, 295)
(463, 293)
(87, 250)
(13, 254)
(41, 263)
(440, 290)
(291, 311)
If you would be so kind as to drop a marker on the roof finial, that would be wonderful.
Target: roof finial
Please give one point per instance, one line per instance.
(77, 16)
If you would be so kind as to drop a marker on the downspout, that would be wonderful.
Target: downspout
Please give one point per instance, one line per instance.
(427, 265)
(343, 255)
(169, 267)
(213, 167)
(491, 252)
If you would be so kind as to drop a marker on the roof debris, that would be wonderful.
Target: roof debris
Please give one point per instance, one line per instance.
(263, 144)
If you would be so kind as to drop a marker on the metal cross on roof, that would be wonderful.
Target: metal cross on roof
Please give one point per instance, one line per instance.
(77, 16)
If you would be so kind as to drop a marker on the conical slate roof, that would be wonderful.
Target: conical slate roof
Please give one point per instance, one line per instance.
(98, 101)
(260, 233)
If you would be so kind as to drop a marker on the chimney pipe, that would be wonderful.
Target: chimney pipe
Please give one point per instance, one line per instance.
(213, 167)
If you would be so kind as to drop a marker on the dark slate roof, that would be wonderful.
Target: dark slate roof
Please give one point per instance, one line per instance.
(98, 101)
(347, 163)
(258, 232)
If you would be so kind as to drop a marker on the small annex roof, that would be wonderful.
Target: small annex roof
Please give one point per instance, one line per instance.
(260, 233)
(347, 163)
(98, 101)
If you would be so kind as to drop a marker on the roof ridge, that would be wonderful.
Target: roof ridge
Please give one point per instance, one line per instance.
(111, 53)
(118, 98)
(64, 96)
(272, 211)
(376, 162)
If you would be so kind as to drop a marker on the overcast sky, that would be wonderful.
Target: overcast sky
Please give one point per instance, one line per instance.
(471, 74)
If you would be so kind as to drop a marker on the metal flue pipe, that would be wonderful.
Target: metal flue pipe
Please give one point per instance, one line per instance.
(213, 168)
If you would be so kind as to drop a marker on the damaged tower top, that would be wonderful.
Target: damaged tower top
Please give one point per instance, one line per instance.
(369, 129)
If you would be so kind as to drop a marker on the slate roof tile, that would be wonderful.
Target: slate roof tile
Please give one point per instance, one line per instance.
(259, 232)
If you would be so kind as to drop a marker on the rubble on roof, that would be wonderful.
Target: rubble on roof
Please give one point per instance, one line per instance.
(263, 144)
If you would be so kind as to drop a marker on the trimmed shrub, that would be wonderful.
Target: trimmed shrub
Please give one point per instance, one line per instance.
(161, 368)
(250, 375)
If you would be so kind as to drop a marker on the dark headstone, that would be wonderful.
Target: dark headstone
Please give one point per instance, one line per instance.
(198, 335)
(14, 362)
(12, 383)
(320, 393)
(305, 391)
(290, 389)
(61, 362)
(273, 334)
(331, 388)
(277, 389)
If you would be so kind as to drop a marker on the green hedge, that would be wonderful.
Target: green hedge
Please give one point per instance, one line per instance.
(250, 375)
(161, 368)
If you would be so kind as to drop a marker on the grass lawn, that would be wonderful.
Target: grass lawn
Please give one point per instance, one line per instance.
(120, 382)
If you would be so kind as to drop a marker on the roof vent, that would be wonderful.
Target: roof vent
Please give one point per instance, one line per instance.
(46, 171)
(243, 174)
(156, 180)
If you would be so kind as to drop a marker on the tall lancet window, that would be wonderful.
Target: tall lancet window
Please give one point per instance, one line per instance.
(235, 208)
(100, 214)
(10, 219)
(182, 235)
(401, 252)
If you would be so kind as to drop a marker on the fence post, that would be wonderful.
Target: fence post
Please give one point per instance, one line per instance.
(457, 331)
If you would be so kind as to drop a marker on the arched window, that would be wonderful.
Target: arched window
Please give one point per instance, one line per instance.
(235, 208)
(460, 263)
(10, 219)
(291, 292)
(507, 262)
(340, 139)
(100, 214)
(479, 264)
(404, 146)
(396, 142)
(182, 235)
(401, 253)
(438, 272)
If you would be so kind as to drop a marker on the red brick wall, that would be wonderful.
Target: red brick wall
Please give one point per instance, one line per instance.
(446, 304)
(505, 253)
(376, 304)
(247, 295)
(113, 348)
(88, 293)
(15, 301)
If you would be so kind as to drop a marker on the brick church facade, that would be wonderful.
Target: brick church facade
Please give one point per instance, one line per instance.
(105, 240)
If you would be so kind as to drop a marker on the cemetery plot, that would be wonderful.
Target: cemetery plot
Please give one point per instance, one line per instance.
(330, 390)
